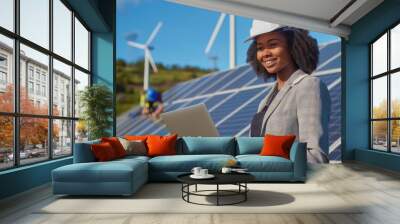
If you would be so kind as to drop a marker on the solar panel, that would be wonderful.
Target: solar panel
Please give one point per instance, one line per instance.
(336, 63)
(329, 51)
(204, 83)
(328, 79)
(241, 118)
(238, 99)
(214, 100)
(219, 80)
(232, 75)
(167, 96)
(240, 79)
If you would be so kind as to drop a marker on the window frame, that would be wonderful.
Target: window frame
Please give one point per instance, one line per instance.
(16, 114)
(388, 74)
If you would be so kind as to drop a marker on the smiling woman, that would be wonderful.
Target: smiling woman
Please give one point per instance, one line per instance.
(298, 104)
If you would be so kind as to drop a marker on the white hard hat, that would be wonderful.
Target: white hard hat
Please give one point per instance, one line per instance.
(259, 27)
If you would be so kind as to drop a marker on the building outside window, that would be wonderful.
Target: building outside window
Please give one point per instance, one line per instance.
(385, 93)
(34, 80)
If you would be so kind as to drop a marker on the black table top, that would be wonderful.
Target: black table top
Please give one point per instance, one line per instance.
(220, 178)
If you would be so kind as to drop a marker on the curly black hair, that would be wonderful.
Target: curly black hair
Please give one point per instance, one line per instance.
(303, 49)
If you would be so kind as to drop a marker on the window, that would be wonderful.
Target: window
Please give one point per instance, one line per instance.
(43, 77)
(30, 72)
(33, 149)
(7, 14)
(62, 129)
(3, 61)
(62, 29)
(385, 94)
(81, 45)
(7, 141)
(81, 81)
(6, 73)
(3, 78)
(30, 87)
(43, 90)
(38, 89)
(56, 127)
(3, 72)
(62, 74)
(37, 74)
(34, 21)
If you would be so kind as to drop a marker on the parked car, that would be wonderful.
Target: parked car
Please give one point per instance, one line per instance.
(22, 155)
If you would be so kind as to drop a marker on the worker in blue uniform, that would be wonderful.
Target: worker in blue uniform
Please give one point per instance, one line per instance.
(152, 103)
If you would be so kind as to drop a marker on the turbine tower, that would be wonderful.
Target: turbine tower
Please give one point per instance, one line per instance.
(232, 41)
(147, 55)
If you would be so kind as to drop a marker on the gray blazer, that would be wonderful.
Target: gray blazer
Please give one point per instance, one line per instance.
(301, 108)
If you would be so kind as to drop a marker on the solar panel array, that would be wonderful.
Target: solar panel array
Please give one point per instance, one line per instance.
(232, 98)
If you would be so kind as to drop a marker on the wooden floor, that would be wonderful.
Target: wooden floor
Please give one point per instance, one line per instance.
(378, 188)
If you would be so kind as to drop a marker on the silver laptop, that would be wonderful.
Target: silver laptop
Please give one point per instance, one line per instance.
(190, 121)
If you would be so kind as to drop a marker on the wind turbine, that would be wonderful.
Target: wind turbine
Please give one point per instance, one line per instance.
(232, 50)
(147, 55)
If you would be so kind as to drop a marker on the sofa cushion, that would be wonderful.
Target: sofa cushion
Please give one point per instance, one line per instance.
(161, 145)
(116, 145)
(135, 137)
(103, 151)
(275, 145)
(257, 163)
(249, 145)
(206, 145)
(133, 158)
(111, 171)
(185, 163)
(134, 147)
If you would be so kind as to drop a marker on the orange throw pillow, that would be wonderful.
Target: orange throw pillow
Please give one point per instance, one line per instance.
(135, 137)
(161, 145)
(277, 145)
(103, 152)
(116, 145)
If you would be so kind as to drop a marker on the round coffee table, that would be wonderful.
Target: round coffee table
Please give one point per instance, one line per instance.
(238, 179)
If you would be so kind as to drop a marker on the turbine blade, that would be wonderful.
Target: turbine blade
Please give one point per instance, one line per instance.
(215, 32)
(154, 33)
(153, 65)
(137, 45)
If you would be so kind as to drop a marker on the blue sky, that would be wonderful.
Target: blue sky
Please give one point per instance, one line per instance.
(184, 34)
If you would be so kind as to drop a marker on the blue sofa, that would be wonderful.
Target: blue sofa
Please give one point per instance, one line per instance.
(125, 176)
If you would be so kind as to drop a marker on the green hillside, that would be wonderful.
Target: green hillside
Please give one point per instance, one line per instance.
(130, 80)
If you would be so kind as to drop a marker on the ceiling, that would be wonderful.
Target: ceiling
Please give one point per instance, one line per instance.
(327, 16)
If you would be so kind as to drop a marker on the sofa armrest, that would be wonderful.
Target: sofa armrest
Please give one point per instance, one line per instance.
(83, 152)
(298, 156)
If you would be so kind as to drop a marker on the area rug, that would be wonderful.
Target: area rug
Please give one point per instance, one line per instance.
(167, 198)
